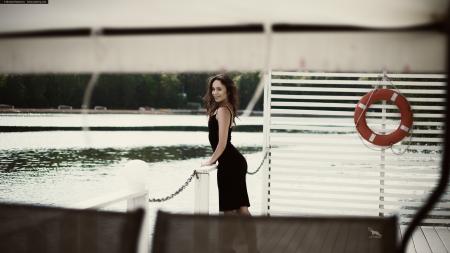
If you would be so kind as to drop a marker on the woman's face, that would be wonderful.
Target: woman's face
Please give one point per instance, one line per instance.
(219, 91)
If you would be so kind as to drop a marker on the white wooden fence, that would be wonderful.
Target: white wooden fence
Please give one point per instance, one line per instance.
(319, 165)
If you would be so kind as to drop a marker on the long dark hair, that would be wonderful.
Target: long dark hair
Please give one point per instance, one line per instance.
(211, 105)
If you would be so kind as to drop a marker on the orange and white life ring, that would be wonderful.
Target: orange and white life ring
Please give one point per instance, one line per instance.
(374, 96)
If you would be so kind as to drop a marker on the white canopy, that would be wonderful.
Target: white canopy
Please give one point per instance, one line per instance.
(387, 46)
(172, 13)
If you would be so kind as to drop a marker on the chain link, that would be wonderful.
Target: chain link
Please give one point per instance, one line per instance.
(194, 173)
(260, 165)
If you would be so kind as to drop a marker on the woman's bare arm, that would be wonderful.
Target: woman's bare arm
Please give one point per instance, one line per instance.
(223, 117)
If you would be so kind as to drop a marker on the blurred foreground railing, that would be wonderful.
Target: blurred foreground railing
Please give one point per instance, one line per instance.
(135, 198)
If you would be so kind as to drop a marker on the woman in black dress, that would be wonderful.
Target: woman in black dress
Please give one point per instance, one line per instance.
(221, 105)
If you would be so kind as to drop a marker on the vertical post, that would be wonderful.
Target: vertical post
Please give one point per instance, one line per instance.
(382, 172)
(266, 144)
(201, 192)
(383, 153)
(201, 206)
(141, 202)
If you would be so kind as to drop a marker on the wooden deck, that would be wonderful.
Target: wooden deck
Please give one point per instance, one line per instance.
(203, 233)
(424, 240)
(428, 240)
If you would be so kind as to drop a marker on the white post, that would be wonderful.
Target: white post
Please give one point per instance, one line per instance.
(383, 152)
(201, 192)
(266, 143)
(141, 202)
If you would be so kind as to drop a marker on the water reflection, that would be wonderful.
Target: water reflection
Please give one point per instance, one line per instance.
(41, 160)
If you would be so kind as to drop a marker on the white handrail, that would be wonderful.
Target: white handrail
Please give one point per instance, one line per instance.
(110, 199)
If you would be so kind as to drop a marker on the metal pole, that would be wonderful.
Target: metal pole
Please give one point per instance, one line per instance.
(383, 153)
(266, 144)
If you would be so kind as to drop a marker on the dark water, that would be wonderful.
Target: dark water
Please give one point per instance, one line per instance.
(63, 176)
(41, 160)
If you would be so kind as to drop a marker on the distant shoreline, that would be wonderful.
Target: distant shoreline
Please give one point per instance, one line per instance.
(113, 111)
(241, 128)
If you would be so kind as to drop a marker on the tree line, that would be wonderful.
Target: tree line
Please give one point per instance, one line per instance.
(118, 91)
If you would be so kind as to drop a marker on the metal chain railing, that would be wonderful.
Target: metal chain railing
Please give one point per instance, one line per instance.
(194, 173)
(260, 165)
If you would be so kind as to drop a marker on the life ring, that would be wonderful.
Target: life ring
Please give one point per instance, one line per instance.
(383, 139)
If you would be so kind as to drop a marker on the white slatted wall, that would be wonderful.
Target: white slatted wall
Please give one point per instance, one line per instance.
(319, 165)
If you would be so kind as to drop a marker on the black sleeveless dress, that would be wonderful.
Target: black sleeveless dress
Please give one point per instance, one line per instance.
(231, 172)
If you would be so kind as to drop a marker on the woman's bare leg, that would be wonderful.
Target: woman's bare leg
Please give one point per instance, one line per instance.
(231, 212)
(227, 233)
(243, 210)
(250, 230)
